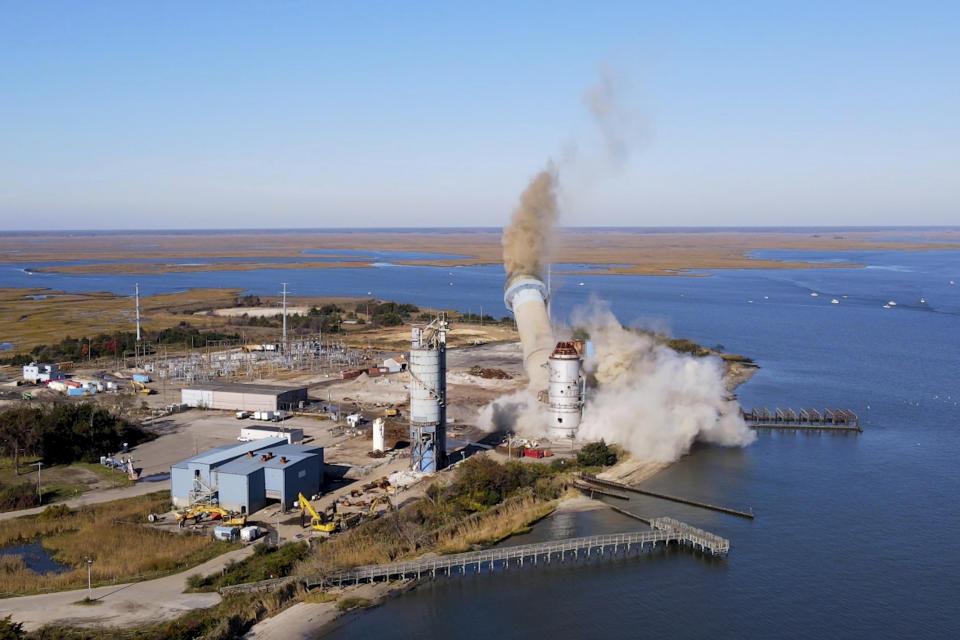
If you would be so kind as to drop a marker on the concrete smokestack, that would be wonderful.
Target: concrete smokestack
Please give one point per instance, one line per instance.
(526, 297)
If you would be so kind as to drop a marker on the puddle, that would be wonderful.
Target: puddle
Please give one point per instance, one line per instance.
(36, 558)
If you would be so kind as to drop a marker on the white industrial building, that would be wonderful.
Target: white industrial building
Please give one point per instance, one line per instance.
(396, 364)
(243, 397)
(39, 372)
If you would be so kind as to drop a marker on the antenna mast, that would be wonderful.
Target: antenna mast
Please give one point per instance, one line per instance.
(137, 296)
(284, 316)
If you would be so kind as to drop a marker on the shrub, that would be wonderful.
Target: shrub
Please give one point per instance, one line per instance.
(54, 512)
(346, 604)
(18, 496)
(597, 454)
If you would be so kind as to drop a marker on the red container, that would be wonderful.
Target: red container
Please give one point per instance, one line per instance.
(533, 453)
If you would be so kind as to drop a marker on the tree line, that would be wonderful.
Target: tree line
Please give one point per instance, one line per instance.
(61, 434)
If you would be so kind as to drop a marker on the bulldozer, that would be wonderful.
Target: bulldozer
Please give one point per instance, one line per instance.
(197, 512)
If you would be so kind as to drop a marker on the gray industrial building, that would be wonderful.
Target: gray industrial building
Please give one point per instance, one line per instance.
(244, 476)
(243, 397)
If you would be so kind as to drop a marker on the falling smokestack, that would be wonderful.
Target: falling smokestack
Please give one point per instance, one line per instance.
(526, 250)
(526, 298)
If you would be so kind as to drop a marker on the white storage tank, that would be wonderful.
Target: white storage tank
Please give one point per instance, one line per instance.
(566, 389)
(378, 435)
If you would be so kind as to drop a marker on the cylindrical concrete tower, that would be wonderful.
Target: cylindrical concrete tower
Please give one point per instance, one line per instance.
(428, 397)
(526, 297)
(566, 390)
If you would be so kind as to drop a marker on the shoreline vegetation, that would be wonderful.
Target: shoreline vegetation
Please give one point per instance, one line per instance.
(113, 534)
(607, 251)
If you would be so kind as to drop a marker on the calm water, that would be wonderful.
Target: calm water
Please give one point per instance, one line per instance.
(855, 536)
(35, 557)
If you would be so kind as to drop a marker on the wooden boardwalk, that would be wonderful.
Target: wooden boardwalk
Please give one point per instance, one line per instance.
(663, 532)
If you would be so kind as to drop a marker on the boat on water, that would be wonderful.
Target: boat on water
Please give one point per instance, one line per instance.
(814, 294)
(922, 301)
(892, 303)
(886, 306)
(834, 301)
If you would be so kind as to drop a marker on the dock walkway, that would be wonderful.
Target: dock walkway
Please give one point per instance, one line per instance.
(594, 480)
(803, 419)
(664, 531)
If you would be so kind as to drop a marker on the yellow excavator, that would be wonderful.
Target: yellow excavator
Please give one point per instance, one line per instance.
(139, 387)
(198, 511)
(317, 522)
(377, 502)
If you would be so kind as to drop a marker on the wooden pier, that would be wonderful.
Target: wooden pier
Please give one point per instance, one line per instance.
(591, 479)
(662, 532)
(803, 419)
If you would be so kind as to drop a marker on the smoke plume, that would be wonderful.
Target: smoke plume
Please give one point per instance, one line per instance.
(615, 122)
(651, 400)
(528, 239)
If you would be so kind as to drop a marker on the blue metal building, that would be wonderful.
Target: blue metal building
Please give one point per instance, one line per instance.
(243, 477)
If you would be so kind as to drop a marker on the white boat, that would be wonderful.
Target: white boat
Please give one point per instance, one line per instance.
(581, 284)
(814, 294)
(922, 301)
(834, 301)
(892, 303)
(886, 306)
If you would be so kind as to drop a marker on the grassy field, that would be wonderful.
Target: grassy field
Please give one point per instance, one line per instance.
(113, 534)
(60, 482)
(634, 251)
(26, 322)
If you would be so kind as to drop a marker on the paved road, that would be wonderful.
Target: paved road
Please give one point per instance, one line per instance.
(95, 497)
(123, 605)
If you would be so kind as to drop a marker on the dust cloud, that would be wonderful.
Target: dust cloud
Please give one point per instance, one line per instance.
(651, 400)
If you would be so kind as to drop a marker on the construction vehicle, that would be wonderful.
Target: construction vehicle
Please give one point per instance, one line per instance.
(317, 522)
(27, 396)
(391, 412)
(377, 501)
(139, 387)
(197, 512)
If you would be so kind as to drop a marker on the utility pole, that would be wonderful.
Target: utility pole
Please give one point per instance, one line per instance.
(284, 316)
(89, 586)
(137, 296)
(136, 350)
(39, 493)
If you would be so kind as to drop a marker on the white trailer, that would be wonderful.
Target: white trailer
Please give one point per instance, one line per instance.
(293, 436)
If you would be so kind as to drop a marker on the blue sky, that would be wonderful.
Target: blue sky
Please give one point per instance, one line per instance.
(313, 114)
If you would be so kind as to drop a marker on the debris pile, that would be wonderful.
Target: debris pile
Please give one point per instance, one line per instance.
(497, 374)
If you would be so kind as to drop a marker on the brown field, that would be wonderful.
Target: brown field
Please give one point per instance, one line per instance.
(26, 322)
(113, 534)
(638, 252)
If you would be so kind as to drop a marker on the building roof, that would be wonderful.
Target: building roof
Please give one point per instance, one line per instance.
(229, 452)
(235, 387)
(246, 465)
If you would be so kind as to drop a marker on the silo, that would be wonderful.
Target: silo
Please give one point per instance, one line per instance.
(566, 389)
(428, 396)
(378, 439)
